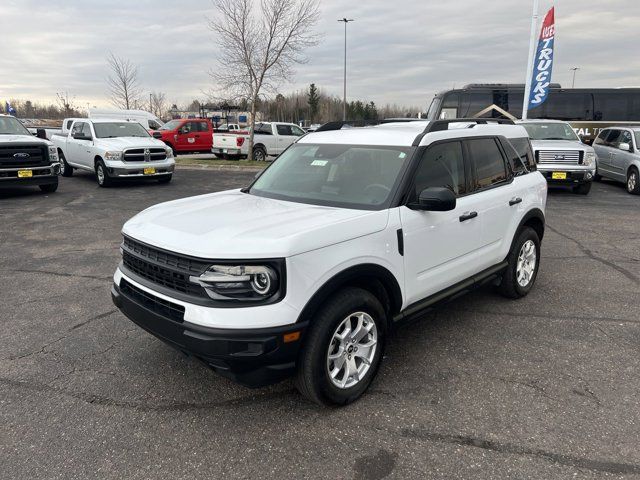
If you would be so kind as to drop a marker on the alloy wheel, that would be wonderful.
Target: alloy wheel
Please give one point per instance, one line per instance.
(352, 350)
(100, 174)
(526, 265)
(632, 180)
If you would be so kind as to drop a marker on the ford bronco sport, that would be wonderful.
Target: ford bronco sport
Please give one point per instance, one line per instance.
(349, 231)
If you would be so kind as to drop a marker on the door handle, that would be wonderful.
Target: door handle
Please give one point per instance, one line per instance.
(515, 201)
(468, 216)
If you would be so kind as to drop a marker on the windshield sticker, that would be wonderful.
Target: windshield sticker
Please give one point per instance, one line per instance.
(319, 163)
(402, 155)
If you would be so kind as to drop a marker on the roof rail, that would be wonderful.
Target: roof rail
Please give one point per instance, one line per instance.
(440, 125)
(331, 126)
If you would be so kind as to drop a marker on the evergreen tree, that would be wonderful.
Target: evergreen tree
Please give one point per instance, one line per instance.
(313, 99)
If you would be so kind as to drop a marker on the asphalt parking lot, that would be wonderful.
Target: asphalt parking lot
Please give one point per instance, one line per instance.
(545, 387)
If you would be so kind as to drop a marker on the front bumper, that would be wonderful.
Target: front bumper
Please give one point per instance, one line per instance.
(574, 175)
(43, 175)
(251, 357)
(136, 169)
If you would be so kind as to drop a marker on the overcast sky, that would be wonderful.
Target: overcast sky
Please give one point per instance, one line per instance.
(399, 51)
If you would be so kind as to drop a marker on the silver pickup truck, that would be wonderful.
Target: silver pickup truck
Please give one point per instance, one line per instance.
(560, 154)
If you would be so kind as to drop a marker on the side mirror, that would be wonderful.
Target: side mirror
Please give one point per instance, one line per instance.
(157, 134)
(41, 133)
(625, 147)
(582, 139)
(435, 199)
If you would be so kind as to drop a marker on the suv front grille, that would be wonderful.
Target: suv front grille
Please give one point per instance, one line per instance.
(153, 154)
(162, 268)
(17, 156)
(568, 157)
(156, 304)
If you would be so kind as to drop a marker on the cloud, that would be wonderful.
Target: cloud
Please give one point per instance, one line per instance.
(398, 52)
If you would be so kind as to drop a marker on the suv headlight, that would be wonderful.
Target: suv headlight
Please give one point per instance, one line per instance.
(589, 159)
(169, 152)
(53, 153)
(249, 283)
(113, 156)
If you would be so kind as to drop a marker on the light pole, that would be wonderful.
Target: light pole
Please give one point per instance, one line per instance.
(573, 82)
(344, 99)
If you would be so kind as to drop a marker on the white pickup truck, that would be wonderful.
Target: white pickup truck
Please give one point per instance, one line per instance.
(113, 149)
(270, 140)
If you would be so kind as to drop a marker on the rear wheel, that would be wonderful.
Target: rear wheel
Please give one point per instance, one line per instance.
(343, 348)
(259, 154)
(66, 170)
(633, 181)
(104, 180)
(523, 261)
(49, 188)
(582, 189)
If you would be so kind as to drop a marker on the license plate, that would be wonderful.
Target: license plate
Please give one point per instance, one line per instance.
(224, 150)
(25, 173)
(149, 171)
(559, 175)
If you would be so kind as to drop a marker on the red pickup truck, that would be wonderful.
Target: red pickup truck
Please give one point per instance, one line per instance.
(187, 135)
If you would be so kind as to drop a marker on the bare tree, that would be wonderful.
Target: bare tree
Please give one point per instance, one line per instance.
(258, 49)
(158, 105)
(65, 102)
(124, 87)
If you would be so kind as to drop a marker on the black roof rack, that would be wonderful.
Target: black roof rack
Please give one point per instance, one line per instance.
(440, 125)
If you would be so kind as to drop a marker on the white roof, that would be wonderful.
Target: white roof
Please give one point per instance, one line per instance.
(539, 120)
(403, 134)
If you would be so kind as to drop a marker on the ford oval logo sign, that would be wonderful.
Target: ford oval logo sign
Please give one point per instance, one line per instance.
(21, 155)
(559, 157)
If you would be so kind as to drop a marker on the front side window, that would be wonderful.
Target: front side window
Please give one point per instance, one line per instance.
(171, 125)
(520, 155)
(489, 164)
(442, 165)
(297, 131)
(637, 135)
(350, 176)
(601, 139)
(626, 138)
(550, 131)
(77, 128)
(86, 130)
(119, 129)
(153, 125)
(614, 138)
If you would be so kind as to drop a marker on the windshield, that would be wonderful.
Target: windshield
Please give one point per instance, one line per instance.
(119, 129)
(12, 126)
(351, 176)
(171, 125)
(550, 131)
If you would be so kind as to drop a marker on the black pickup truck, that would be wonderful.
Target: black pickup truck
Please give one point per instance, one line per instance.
(25, 159)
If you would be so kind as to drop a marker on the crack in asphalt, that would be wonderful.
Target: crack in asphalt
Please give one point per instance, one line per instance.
(509, 448)
(100, 400)
(92, 319)
(597, 258)
(62, 274)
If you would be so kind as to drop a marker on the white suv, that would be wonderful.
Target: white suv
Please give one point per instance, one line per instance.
(348, 232)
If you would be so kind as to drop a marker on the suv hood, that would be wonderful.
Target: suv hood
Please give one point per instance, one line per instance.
(559, 145)
(130, 142)
(23, 139)
(235, 225)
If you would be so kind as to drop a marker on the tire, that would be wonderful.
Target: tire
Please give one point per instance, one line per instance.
(510, 286)
(219, 155)
(583, 188)
(633, 181)
(65, 169)
(49, 187)
(104, 180)
(259, 154)
(313, 379)
(165, 179)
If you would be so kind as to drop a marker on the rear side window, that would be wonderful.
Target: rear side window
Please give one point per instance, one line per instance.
(522, 155)
(263, 129)
(284, 129)
(442, 165)
(489, 164)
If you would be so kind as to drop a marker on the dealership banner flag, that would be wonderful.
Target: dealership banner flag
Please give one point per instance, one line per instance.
(543, 62)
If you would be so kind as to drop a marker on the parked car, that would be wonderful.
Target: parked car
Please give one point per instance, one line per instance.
(24, 159)
(187, 135)
(270, 140)
(146, 119)
(618, 150)
(228, 127)
(348, 232)
(113, 149)
(560, 154)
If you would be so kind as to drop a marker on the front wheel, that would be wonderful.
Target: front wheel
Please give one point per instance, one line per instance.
(633, 181)
(523, 262)
(343, 348)
(104, 180)
(66, 170)
(582, 189)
